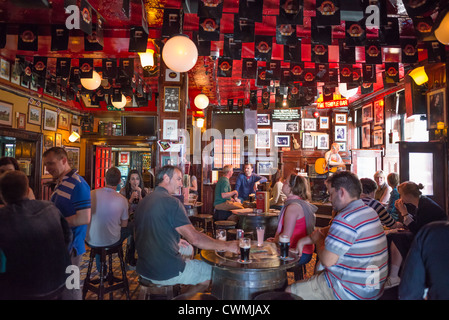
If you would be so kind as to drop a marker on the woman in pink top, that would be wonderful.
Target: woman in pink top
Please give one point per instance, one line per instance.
(297, 218)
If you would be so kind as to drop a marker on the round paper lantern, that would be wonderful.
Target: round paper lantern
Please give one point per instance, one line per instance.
(201, 101)
(180, 53)
(120, 104)
(91, 83)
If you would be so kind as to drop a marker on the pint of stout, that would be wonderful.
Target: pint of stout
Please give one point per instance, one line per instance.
(284, 245)
(245, 246)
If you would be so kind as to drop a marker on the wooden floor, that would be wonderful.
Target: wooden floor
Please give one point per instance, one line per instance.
(134, 286)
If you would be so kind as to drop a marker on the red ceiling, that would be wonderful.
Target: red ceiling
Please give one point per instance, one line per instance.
(201, 77)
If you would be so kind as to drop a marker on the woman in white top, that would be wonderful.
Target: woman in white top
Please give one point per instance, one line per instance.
(277, 197)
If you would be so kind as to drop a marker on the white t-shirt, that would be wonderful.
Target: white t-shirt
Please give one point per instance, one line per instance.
(108, 209)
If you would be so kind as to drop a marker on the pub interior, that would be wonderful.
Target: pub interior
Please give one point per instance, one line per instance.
(272, 83)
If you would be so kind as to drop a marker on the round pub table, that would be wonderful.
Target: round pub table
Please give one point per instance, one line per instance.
(234, 280)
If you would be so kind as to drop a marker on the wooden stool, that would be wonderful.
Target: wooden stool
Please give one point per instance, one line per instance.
(204, 221)
(113, 282)
(226, 224)
(152, 291)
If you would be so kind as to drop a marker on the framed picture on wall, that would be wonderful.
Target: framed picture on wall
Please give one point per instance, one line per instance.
(5, 113)
(34, 114)
(378, 137)
(58, 140)
(172, 76)
(342, 146)
(264, 167)
(323, 142)
(263, 119)
(366, 136)
(340, 133)
(367, 113)
(436, 108)
(309, 124)
(263, 139)
(379, 112)
(63, 121)
(49, 141)
(50, 120)
(73, 155)
(324, 123)
(170, 129)
(282, 141)
(308, 141)
(341, 118)
(171, 99)
(21, 121)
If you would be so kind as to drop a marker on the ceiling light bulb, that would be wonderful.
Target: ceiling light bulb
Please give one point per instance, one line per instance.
(180, 53)
(91, 83)
(201, 101)
(120, 104)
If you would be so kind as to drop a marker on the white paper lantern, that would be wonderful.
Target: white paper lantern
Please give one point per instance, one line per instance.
(91, 83)
(180, 53)
(201, 101)
(120, 104)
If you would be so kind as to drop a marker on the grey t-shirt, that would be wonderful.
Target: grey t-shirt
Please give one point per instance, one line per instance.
(156, 219)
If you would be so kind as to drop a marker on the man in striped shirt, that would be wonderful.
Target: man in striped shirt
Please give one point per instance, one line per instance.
(72, 197)
(369, 187)
(353, 249)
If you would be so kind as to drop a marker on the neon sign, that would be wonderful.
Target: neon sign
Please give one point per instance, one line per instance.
(333, 104)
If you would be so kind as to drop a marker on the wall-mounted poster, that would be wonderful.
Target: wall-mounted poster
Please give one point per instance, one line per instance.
(366, 136)
(263, 139)
(340, 133)
(308, 141)
(286, 127)
(264, 167)
(5, 113)
(436, 108)
(378, 137)
(378, 112)
(282, 141)
(73, 155)
(63, 121)
(171, 99)
(34, 114)
(367, 113)
(323, 141)
(324, 123)
(263, 119)
(123, 159)
(341, 118)
(170, 129)
(309, 124)
(50, 120)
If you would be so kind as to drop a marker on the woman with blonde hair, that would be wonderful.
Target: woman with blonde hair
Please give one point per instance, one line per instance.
(277, 197)
(383, 189)
(415, 211)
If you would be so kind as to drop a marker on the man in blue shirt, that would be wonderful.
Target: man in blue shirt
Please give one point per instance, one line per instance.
(248, 182)
(72, 197)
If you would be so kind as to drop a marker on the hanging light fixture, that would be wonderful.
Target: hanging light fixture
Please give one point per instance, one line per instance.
(343, 88)
(201, 101)
(180, 53)
(91, 83)
(147, 58)
(441, 27)
(419, 75)
(74, 136)
(120, 104)
(199, 122)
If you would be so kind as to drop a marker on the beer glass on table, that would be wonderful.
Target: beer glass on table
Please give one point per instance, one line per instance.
(284, 245)
(245, 246)
(260, 235)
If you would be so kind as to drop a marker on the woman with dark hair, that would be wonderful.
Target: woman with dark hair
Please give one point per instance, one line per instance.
(297, 218)
(277, 197)
(11, 164)
(134, 191)
(415, 211)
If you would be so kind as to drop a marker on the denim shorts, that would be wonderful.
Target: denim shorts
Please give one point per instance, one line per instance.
(195, 272)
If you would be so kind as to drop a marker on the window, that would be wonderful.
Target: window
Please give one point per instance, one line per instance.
(227, 151)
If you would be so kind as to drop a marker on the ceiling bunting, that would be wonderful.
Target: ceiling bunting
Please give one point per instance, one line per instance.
(93, 41)
(74, 79)
(286, 77)
(138, 39)
(209, 29)
(39, 71)
(383, 9)
(389, 32)
(391, 72)
(116, 94)
(285, 33)
(225, 67)
(110, 70)
(59, 37)
(293, 92)
(320, 53)
(3, 33)
(373, 52)
(309, 78)
(369, 73)
(230, 104)
(253, 98)
(320, 34)
(346, 73)
(420, 8)
(203, 46)
(249, 68)
(327, 12)
(328, 93)
(210, 9)
(231, 48)
(126, 68)
(297, 71)
(263, 47)
(409, 50)
(355, 33)
(423, 28)
(240, 104)
(307, 96)
(63, 67)
(291, 12)
(251, 10)
(261, 80)
(436, 52)
(333, 75)
(171, 24)
(273, 70)
(86, 67)
(85, 17)
(28, 37)
(127, 91)
(243, 29)
(366, 88)
(322, 72)
(346, 53)
(50, 85)
(292, 53)
(278, 98)
(356, 77)
(62, 88)
(27, 73)
(265, 98)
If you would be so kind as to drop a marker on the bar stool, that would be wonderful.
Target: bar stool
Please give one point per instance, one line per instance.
(204, 221)
(113, 282)
(152, 291)
(226, 224)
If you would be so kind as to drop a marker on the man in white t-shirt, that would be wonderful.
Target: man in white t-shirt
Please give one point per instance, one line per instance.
(109, 212)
